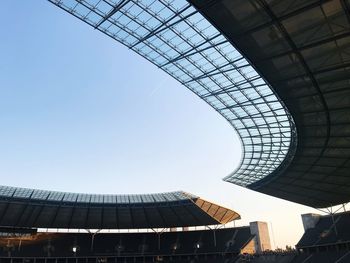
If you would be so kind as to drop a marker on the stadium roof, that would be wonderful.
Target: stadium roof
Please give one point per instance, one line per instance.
(295, 133)
(290, 106)
(303, 49)
(175, 37)
(29, 208)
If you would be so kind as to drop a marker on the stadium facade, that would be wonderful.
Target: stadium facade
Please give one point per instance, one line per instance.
(215, 245)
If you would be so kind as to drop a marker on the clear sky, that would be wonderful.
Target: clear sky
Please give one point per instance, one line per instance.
(80, 112)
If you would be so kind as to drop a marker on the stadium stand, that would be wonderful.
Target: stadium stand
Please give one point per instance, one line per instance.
(180, 246)
(326, 238)
(267, 258)
(323, 257)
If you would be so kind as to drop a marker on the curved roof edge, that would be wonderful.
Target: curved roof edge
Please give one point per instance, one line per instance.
(83, 198)
(175, 37)
(30, 208)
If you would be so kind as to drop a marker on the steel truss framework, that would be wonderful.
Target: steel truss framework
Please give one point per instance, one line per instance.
(303, 49)
(175, 37)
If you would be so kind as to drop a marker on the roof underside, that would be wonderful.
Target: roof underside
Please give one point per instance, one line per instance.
(28, 208)
(302, 48)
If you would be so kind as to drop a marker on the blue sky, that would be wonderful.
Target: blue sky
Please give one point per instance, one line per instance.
(80, 112)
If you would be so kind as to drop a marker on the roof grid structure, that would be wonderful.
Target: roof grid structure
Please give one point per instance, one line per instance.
(22, 193)
(147, 198)
(70, 197)
(55, 196)
(110, 199)
(66, 197)
(83, 198)
(7, 191)
(40, 194)
(175, 37)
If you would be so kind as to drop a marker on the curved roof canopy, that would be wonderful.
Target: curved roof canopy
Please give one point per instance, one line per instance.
(29, 208)
(175, 37)
(303, 49)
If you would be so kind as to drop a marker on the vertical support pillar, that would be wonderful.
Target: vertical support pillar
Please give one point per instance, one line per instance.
(158, 240)
(214, 237)
(334, 225)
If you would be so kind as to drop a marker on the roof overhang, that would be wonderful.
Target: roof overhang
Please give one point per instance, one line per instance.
(29, 208)
(302, 49)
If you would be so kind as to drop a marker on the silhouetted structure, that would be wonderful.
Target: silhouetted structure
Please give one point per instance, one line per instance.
(217, 245)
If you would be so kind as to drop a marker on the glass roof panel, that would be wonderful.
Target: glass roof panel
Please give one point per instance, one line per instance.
(7, 191)
(56, 196)
(70, 197)
(84, 198)
(23, 193)
(40, 194)
(175, 37)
